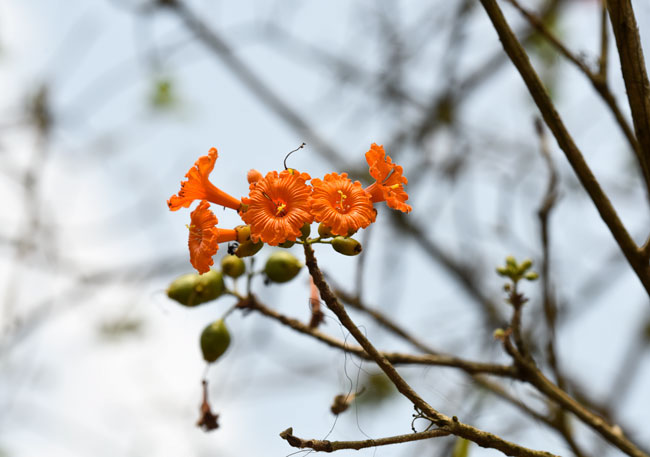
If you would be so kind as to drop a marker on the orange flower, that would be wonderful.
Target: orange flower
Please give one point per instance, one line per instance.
(198, 187)
(278, 206)
(205, 237)
(341, 204)
(389, 184)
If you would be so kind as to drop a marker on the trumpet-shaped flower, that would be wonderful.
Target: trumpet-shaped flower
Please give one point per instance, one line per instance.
(205, 237)
(198, 187)
(341, 204)
(389, 181)
(278, 206)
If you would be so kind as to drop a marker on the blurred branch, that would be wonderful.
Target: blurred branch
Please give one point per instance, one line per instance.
(251, 303)
(598, 81)
(543, 213)
(331, 446)
(607, 212)
(221, 49)
(462, 273)
(612, 433)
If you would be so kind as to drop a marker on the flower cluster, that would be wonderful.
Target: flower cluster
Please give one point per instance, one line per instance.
(280, 204)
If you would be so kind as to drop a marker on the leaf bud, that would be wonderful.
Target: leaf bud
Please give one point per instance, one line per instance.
(233, 266)
(525, 265)
(215, 339)
(346, 246)
(531, 276)
(282, 266)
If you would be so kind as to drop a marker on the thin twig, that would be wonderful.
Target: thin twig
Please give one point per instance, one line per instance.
(331, 446)
(251, 303)
(543, 213)
(604, 42)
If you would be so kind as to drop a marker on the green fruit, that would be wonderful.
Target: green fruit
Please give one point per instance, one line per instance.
(233, 266)
(215, 339)
(305, 230)
(346, 246)
(282, 266)
(324, 231)
(210, 286)
(193, 289)
(248, 248)
(182, 290)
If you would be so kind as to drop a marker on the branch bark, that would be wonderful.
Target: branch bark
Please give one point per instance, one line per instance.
(537, 90)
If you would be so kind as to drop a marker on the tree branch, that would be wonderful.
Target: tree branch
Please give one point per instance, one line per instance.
(470, 367)
(630, 53)
(331, 446)
(607, 212)
(453, 425)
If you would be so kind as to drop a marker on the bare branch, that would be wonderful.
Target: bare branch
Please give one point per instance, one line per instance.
(453, 425)
(605, 208)
(331, 446)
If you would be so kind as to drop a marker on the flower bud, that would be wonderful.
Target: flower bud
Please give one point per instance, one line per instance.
(215, 339)
(233, 266)
(324, 231)
(531, 276)
(253, 176)
(248, 248)
(243, 233)
(282, 266)
(287, 244)
(346, 246)
(511, 262)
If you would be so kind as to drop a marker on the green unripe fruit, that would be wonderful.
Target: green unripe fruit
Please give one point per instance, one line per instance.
(233, 266)
(193, 289)
(324, 231)
(305, 230)
(248, 248)
(287, 244)
(182, 290)
(346, 246)
(282, 266)
(215, 339)
(210, 286)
